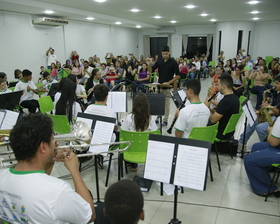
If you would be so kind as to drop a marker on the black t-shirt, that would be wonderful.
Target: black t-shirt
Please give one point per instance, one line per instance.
(227, 106)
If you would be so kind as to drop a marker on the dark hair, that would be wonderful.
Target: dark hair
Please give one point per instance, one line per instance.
(230, 62)
(277, 78)
(265, 68)
(46, 74)
(61, 83)
(141, 112)
(226, 79)
(100, 92)
(72, 77)
(195, 85)
(26, 72)
(86, 62)
(141, 70)
(2, 75)
(42, 66)
(28, 134)
(103, 64)
(94, 72)
(16, 73)
(123, 202)
(64, 105)
(165, 48)
(2, 80)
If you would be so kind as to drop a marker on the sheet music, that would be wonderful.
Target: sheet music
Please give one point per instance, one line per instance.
(102, 134)
(117, 101)
(87, 121)
(159, 161)
(182, 94)
(250, 113)
(2, 115)
(191, 167)
(10, 119)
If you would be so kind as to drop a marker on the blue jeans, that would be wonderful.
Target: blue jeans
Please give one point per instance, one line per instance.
(259, 91)
(192, 75)
(257, 166)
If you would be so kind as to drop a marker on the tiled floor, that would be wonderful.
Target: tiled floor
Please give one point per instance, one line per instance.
(227, 200)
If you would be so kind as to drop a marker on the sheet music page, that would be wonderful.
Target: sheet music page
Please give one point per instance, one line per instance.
(159, 161)
(2, 115)
(182, 94)
(87, 121)
(250, 113)
(191, 167)
(117, 101)
(10, 119)
(102, 134)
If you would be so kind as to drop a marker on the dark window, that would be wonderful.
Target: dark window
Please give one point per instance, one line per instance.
(156, 45)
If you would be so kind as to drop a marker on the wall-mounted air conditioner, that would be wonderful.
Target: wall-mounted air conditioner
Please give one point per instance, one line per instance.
(50, 21)
(165, 31)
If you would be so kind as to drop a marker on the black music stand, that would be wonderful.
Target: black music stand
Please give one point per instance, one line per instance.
(182, 162)
(10, 100)
(53, 90)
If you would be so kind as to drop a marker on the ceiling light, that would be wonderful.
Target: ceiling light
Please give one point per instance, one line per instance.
(157, 17)
(49, 11)
(255, 12)
(256, 18)
(204, 14)
(134, 10)
(253, 2)
(100, 0)
(90, 18)
(138, 26)
(190, 6)
(213, 20)
(173, 21)
(118, 23)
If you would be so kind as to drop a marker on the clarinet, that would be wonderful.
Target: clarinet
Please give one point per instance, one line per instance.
(169, 131)
(213, 96)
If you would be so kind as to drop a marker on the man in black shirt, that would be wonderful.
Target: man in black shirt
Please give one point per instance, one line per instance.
(227, 106)
(167, 67)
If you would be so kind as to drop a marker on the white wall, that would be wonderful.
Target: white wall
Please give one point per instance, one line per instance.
(24, 45)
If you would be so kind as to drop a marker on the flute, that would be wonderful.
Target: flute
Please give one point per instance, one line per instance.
(169, 131)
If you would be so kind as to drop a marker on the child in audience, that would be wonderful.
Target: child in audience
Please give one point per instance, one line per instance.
(42, 68)
(18, 75)
(111, 73)
(54, 71)
(48, 81)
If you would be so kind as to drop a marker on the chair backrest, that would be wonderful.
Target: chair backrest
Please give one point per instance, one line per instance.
(139, 140)
(212, 63)
(232, 123)
(46, 104)
(60, 123)
(12, 88)
(268, 59)
(247, 68)
(204, 133)
(241, 100)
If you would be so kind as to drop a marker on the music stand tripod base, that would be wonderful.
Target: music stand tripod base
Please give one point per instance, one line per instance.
(174, 221)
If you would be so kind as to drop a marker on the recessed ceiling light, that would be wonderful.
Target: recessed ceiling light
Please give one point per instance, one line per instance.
(90, 18)
(173, 21)
(134, 10)
(213, 20)
(255, 12)
(204, 14)
(100, 0)
(157, 17)
(118, 23)
(190, 6)
(253, 2)
(138, 26)
(256, 18)
(49, 11)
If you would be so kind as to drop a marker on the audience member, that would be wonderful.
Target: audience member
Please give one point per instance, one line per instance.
(51, 57)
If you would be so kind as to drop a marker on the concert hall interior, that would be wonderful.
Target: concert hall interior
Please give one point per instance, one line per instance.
(229, 197)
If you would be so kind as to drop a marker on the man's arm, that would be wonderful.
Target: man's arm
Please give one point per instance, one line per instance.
(178, 134)
(215, 117)
(47, 53)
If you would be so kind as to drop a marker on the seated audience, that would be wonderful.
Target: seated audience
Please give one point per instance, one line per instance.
(86, 73)
(238, 81)
(215, 80)
(143, 78)
(94, 80)
(77, 69)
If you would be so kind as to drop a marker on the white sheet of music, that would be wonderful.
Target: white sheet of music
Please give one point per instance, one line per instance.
(250, 113)
(10, 119)
(86, 120)
(191, 167)
(102, 134)
(2, 115)
(159, 161)
(182, 94)
(117, 101)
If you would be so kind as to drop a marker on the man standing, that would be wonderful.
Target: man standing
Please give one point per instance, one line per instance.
(167, 67)
(195, 114)
(51, 57)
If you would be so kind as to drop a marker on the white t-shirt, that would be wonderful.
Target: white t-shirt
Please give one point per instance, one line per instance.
(193, 115)
(80, 89)
(5, 91)
(36, 197)
(47, 85)
(51, 59)
(86, 75)
(197, 65)
(28, 94)
(129, 125)
(276, 127)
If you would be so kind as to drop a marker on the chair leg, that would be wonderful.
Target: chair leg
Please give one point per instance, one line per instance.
(271, 182)
(161, 189)
(217, 156)
(210, 170)
(108, 170)
(182, 190)
(119, 165)
(230, 149)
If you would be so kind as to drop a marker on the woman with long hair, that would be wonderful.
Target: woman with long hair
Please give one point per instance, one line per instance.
(228, 67)
(143, 78)
(77, 69)
(93, 80)
(238, 80)
(67, 105)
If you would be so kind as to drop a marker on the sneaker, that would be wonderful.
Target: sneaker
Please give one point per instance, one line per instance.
(100, 159)
(134, 166)
(164, 124)
(239, 148)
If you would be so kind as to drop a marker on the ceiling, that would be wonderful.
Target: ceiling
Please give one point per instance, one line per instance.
(111, 11)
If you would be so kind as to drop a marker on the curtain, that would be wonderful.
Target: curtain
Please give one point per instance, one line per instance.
(146, 45)
(185, 43)
(209, 40)
(169, 42)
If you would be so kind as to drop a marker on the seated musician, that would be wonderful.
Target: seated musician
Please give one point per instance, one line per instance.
(3, 87)
(29, 88)
(258, 162)
(196, 114)
(227, 106)
(28, 193)
(47, 83)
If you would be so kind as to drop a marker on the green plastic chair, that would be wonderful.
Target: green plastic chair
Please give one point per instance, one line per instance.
(38, 85)
(268, 59)
(241, 100)
(207, 134)
(46, 104)
(12, 88)
(60, 123)
(277, 166)
(212, 63)
(247, 68)
(229, 128)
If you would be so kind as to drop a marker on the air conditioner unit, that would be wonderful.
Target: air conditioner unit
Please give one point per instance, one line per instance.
(50, 21)
(165, 31)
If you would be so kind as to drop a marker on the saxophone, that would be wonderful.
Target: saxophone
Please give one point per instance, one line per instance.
(262, 113)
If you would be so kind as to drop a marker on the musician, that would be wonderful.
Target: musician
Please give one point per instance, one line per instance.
(167, 67)
(28, 193)
(47, 83)
(3, 87)
(258, 162)
(195, 114)
(93, 80)
(29, 88)
(227, 106)
(124, 203)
